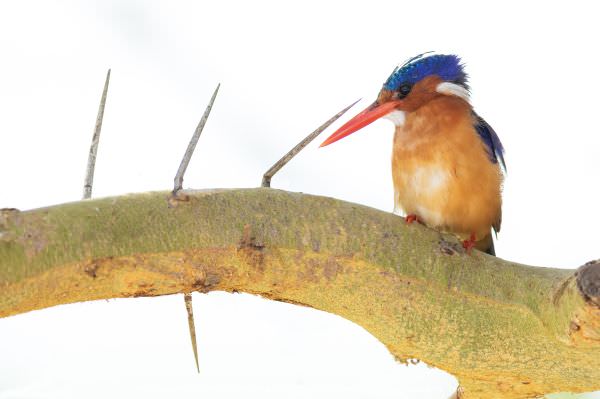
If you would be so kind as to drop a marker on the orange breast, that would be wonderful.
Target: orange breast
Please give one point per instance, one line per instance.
(442, 172)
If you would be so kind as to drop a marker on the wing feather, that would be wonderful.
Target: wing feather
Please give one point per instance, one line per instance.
(491, 140)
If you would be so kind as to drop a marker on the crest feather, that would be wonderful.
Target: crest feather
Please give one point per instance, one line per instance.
(448, 67)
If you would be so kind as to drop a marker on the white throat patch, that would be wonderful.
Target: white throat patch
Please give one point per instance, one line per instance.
(452, 89)
(397, 117)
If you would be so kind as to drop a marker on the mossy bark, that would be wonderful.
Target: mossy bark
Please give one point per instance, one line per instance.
(504, 330)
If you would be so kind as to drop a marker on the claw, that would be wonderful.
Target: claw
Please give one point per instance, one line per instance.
(469, 244)
(411, 218)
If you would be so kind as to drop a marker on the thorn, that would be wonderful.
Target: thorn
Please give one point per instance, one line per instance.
(266, 181)
(178, 184)
(192, 144)
(89, 176)
(190, 312)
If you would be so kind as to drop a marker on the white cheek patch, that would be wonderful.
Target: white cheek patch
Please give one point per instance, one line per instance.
(452, 89)
(397, 117)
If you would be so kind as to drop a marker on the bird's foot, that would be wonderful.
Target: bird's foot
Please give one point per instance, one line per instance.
(469, 244)
(411, 218)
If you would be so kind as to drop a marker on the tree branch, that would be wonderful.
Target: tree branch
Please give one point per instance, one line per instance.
(503, 329)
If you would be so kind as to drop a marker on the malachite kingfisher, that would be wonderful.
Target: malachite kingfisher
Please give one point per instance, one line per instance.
(447, 161)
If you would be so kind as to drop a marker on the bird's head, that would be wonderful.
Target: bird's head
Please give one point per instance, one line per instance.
(410, 86)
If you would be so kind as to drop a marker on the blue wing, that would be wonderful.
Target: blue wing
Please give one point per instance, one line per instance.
(491, 140)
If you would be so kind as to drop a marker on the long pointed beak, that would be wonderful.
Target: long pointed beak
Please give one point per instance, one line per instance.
(366, 117)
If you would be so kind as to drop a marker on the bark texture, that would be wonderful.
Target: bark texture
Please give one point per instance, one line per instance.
(505, 330)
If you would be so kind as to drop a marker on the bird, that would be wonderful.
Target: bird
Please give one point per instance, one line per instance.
(448, 163)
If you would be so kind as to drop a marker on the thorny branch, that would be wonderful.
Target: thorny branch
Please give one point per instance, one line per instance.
(504, 330)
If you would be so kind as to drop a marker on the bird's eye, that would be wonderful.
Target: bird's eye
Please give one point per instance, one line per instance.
(403, 90)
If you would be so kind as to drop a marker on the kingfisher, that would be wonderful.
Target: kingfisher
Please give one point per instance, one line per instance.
(447, 161)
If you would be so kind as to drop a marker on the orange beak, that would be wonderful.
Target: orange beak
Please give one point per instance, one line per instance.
(366, 117)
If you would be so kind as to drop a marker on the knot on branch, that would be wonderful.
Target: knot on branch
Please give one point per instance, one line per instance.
(248, 240)
(585, 325)
(588, 282)
(252, 247)
(176, 198)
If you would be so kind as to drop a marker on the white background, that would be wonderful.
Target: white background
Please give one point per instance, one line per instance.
(284, 68)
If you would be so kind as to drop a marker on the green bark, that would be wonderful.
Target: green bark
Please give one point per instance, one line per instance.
(503, 329)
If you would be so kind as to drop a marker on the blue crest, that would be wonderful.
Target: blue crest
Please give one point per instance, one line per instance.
(447, 67)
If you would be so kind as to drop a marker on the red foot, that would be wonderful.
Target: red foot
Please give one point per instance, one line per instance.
(411, 218)
(469, 244)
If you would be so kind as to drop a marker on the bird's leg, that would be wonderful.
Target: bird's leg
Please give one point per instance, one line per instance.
(469, 244)
(411, 218)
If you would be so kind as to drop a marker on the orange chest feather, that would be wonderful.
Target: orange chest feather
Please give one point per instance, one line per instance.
(442, 172)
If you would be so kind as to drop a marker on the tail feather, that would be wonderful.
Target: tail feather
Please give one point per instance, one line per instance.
(486, 245)
(491, 250)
